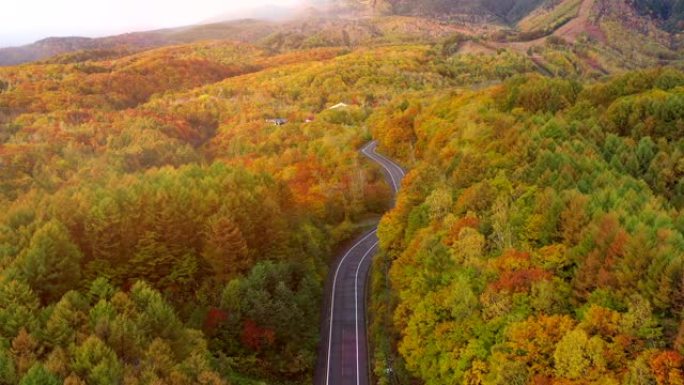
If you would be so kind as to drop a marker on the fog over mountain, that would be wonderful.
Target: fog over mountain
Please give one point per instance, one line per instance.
(32, 20)
(175, 23)
(264, 12)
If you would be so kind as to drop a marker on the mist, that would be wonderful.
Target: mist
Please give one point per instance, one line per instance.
(26, 21)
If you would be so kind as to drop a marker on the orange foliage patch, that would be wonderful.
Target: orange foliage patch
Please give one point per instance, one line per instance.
(517, 272)
(667, 368)
(513, 260)
(452, 236)
(520, 280)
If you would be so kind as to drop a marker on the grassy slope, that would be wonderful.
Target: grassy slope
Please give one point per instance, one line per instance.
(550, 18)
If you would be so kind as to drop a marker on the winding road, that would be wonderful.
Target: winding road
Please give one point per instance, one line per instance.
(343, 353)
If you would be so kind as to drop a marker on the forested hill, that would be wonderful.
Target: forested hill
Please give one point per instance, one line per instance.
(508, 10)
(670, 12)
(539, 238)
(157, 227)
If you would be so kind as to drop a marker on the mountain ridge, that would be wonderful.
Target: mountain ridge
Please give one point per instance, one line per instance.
(516, 20)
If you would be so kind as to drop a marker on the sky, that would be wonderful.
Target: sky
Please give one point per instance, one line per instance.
(25, 21)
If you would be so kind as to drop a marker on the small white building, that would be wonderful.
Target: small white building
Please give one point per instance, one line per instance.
(339, 106)
(277, 121)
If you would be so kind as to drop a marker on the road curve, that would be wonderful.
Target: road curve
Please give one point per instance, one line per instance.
(343, 352)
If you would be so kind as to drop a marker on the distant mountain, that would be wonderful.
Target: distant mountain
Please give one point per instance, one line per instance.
(44, 48)
(240, 30)
(669, 12)
(506, 10)
(247, 25)
(354, 22)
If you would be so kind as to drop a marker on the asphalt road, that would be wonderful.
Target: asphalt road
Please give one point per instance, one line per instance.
(343, 353)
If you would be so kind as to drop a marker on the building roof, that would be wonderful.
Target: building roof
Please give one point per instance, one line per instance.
(277, 121)
(338, 106)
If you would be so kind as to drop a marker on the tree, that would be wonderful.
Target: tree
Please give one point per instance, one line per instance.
(640, 322)
(50, 265)
(439, 203)
(534, 341)
(256, 306)
(24, 351)
(640, 372)
(630, 270)
(158, 362)
(596, 270)
(574, 218)
(8, 373)
(58, 362)
(469, 246)
(73, 379)
(66, 321)
(38, 375)
(679, 341)
(18, 308)
(668, 368)
(509, 372)
(152, 261)
(96, 362)
(570, 357)
(100, 289)
(225, 248)
(503, 237)
(645, 151)
(124, 336)
(156, 316)
(255, 337)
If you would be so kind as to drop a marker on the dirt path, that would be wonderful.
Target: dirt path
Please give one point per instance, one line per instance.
(569, 31)
(581, 24)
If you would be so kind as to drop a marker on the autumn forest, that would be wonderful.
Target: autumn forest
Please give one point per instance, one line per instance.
(157, 227)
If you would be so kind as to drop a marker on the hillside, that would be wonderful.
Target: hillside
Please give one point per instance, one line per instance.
(669, 12)
(539, 236)
(315, 31)
(165, 221)
(507, 10)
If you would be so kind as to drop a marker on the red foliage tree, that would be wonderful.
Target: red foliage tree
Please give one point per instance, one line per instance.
(520, 280)
(255, 337)
(517, 274)
(215, 317)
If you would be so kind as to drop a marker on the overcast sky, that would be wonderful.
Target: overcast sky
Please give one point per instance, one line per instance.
(25, 21)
